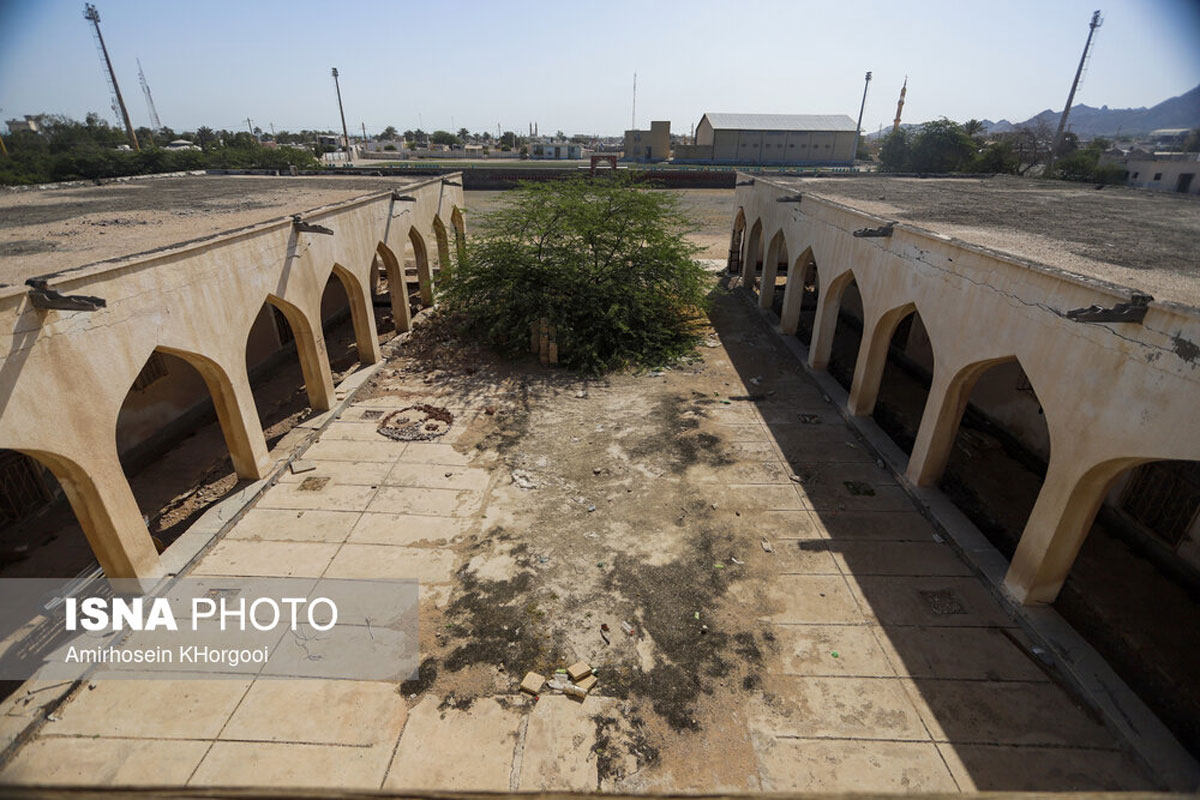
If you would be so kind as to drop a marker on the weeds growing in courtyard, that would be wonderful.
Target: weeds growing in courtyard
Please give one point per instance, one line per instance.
(604, 262)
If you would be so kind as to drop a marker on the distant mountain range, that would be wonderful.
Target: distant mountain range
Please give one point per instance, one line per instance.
(1178, 112)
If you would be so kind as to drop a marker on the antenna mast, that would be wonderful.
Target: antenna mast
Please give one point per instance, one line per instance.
(149, 98)
(93, 16)
(345, 132)
(1096, 22)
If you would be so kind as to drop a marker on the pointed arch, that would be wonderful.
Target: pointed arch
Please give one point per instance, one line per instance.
(752, 261)
(424, 273)
(443, 245)
(825, 322)
(397, 287)
(800, 296)
(366, 338)
(310, 347)
(460, 232)
(107, 512)
(734, 263)
(873, 355)
(776, 251)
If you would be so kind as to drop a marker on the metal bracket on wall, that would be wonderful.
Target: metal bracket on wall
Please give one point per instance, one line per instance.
(795, 199)
(307, 227)
(446, 182)
(403, 198)
(42, 296)
(1133, 311)
(746, 183)
(882, 230)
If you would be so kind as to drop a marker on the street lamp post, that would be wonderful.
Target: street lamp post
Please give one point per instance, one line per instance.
(858, 127)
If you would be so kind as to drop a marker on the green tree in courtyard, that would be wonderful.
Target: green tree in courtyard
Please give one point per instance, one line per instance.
(603, 261)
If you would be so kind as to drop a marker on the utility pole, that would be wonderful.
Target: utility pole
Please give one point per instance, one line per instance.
(345, 132)
(93, 16)
(1096, 22)
(249, 126)
(858, 126)
(364, 129)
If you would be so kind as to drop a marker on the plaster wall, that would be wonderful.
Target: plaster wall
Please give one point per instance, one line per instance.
(64, 374)
(1114, 395)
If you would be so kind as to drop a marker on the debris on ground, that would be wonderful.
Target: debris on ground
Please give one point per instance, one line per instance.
(300, 465)
(767, 547)
(523, 480)
(533, 683)
(578, 671)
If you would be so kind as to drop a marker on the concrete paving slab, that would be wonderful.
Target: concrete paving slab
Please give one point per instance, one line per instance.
(1005, 713)
(354, 473)
(813, 454)
(752, 472)
(842, 708)
(1006, 768)
(134, 708)
(801, 599)
(435, 502)
(558, 745)
(932, 601)
(796, 437)
(344, 430)
(272, 764)
(823, 765)
(874, 526)
(841, 498)
(963, 653)
(426, 564)
(777, 525)
(407, 529)
(319, 712)
(424, 476)
(750, 498)
(898, 558)
(349, 450)
(809, 650)
(794, 557)
(289, 525)
(469, 750)
(267, 559)
(70, 760)
(331, 496)
(434, 453)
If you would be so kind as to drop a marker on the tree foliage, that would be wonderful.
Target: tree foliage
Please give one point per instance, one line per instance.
(603, 261)
(67, 150)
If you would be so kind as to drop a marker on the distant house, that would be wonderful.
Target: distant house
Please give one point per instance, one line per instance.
(27, 124)
(181, 144)
(651, 145)
(561, 150)
(772, 139)
(1174, 172)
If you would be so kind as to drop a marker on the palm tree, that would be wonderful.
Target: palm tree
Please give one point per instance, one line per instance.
(973, 127)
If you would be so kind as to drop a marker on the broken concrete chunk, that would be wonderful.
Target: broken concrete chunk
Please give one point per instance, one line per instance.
(579, 670)
(767, 546)
(299, 466)
(574, 691)
(533, 683)
(587, 683)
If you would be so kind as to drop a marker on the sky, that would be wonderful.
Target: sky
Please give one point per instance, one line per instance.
(570, 66)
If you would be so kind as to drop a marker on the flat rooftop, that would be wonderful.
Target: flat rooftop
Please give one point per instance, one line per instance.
(47, 230)
(1149, 241)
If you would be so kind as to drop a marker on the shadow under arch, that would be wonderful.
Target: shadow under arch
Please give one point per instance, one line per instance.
(460, 232)
(397, 287)
(828, 311)
(421, 259)
(800, 297)
(752, 262)
(442, 241)
(362, 315)
(310, 347)
(106, 511)
(776, 257)
(733, 265)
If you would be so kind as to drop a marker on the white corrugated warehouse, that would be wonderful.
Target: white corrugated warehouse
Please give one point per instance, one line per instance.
(802, 139)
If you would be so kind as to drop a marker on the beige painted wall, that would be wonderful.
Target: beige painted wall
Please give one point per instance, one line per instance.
(1114, 395)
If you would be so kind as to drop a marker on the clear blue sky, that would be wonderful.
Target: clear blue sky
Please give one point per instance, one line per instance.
(475, 64)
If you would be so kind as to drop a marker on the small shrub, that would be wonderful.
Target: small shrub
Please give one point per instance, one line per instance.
(604, 261)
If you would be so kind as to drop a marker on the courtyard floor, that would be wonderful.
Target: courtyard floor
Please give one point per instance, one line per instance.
(797, 624)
